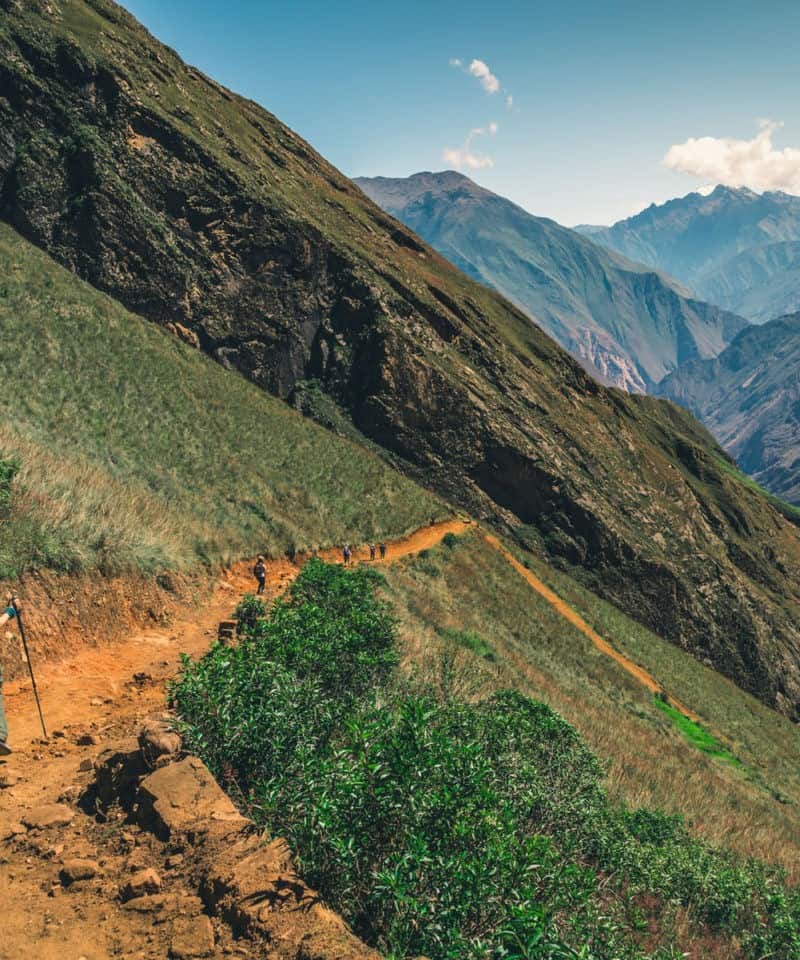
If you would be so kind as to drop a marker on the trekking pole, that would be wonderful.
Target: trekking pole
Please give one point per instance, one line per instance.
(15, 605)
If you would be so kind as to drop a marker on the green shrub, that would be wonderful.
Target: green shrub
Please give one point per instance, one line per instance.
(9, 468)
(450, 540)
(250, 610)
(444, 828)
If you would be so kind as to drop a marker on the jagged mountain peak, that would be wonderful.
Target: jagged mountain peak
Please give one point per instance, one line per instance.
(626, 323)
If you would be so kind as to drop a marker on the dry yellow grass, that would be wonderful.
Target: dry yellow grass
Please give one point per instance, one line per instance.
(648, 761)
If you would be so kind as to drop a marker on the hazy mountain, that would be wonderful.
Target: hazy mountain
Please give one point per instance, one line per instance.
(625, 322)
(732, 247)
(749, 397)
(201, 211)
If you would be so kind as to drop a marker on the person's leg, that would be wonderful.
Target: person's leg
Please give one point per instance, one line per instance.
(3, 722)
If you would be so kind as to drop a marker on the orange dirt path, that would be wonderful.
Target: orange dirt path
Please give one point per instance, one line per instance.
(577, 621)
(84, 686)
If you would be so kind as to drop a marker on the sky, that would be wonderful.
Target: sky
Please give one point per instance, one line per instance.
(580, 110)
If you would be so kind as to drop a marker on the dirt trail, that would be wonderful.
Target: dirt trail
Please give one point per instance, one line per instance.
(90, 700)
(95, 698)
(577, 621)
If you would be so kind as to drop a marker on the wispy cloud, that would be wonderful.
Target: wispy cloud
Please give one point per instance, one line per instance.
(482, 72)
(465, 156)
(755, 163)
(487, 79)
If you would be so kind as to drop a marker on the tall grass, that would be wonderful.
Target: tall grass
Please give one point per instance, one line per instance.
(754, 809)
(138, 451)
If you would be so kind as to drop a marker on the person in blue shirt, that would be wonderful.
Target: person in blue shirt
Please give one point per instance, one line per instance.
(9, 613)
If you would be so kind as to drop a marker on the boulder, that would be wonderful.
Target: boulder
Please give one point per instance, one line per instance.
(175, 797)
(78, 869)
(143, 882)
(49, 815)
(192, 937)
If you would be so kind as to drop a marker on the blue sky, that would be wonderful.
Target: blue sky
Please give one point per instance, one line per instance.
(601, 90)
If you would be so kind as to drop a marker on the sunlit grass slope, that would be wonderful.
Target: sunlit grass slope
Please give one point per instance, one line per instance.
(736, 778)
(138, 451)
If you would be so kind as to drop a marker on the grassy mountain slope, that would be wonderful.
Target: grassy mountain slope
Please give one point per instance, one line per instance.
(749, 397)
(627, 324)
(466, 603)
(733, 247)
(198, 209)
(138, 452)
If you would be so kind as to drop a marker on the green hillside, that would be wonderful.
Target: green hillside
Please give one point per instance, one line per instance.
(137, 451)
(735, 779)
(445, 823)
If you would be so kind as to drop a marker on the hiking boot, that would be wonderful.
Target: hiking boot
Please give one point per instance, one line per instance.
(4, 749)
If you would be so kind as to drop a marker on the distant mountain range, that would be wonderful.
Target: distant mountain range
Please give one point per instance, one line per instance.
(627, 323)
(733, 247)
(749, 397)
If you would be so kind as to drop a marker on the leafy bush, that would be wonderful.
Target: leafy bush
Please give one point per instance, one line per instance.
(446, 828)
(9, 468)
(249, 611)
(450, 540)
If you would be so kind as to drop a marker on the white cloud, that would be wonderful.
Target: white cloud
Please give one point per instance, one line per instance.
(487, 79)
(755, 163)
(460, 158)
(465, 155)
(482, 72)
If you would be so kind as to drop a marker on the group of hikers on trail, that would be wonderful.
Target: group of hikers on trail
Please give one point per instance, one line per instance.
(260, 568)
(347, 552)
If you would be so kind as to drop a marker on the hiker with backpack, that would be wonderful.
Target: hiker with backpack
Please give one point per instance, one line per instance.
(260, 573)
(372, 551)
(10, 612)
(382, 549)
(347, 553)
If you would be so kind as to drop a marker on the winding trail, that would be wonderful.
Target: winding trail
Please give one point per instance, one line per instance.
(72, 689)
(78, 688)
(645, 678)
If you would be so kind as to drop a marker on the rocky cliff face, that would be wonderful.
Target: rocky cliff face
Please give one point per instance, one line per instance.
(749, 397)
(627, 324)
(203, 212)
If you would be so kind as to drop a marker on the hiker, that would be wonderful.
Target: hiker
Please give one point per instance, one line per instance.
(347, 553)
(382, 549)
(260, 573)
(372, 551)
(8, 614)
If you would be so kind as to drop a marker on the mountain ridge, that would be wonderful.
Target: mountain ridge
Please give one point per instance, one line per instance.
(628, 324)
(720, 244)
(202, 212)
